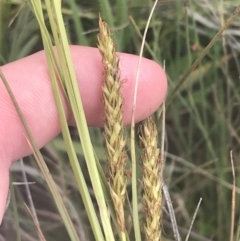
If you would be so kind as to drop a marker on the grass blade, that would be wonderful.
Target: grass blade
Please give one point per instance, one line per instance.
(133, 153)
(42, 165)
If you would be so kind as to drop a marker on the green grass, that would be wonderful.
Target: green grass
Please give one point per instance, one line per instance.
(202, 120)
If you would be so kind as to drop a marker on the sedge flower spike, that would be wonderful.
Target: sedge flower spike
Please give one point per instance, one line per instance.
(152, 180)
(113, 128)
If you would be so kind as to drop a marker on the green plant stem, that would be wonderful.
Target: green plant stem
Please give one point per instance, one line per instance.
(203, 53)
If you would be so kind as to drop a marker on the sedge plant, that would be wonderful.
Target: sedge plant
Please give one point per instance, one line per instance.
(61, 68)
(115, 184)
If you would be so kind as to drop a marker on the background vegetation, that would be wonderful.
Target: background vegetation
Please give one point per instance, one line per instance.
(202, 120)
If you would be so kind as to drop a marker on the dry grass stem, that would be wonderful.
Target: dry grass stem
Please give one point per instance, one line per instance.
(233, 209)
(174, 225)
(152, 180)
(113, 128)
(193, 219)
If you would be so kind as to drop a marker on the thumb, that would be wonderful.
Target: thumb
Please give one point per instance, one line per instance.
(31, 85)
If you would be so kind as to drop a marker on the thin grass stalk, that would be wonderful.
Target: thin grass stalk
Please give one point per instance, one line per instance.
(174, 225)
(201, 171)
(136, 224)
(152, 181)
(82, 39)
(43, 167)
(113, 128)
(193, 219)
(36, 224)
(233, 209)
(28, 192)
(69, 85)
(203, 53)
(16, 220)
(69, 81)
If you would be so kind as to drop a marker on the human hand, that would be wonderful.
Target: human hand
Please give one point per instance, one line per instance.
(30, 83)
